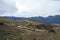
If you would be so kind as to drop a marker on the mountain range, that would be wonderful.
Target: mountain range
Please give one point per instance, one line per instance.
(50, 19)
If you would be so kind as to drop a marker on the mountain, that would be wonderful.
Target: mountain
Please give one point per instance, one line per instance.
(54, 19)
(50, 19)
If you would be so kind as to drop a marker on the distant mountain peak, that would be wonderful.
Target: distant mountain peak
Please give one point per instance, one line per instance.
(50, 19)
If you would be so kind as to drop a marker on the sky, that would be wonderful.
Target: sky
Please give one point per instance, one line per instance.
(29, 8)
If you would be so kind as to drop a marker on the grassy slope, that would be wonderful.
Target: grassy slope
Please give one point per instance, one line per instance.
(9, 31)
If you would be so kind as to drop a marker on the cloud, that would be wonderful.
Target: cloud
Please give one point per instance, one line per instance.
(56, 0)
(28, 8)
(7, 6)
(37, 8)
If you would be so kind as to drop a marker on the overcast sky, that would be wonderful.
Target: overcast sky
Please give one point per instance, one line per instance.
(29, 8)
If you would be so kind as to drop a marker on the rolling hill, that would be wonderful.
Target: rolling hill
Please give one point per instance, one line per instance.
(27, 30)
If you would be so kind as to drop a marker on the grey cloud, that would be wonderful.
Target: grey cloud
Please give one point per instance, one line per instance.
(7, 7)
(36, 7)
(40, 7)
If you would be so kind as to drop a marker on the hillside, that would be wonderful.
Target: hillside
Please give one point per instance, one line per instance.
(27, 30)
